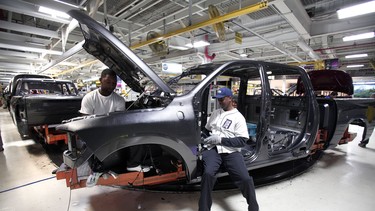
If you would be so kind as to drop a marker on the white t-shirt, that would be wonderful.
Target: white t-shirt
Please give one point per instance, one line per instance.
(95, 103)
(227, 124)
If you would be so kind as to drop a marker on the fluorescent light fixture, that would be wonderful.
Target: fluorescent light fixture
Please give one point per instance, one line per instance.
(35, 43)
(359, 36)
(356, 56)
(182, 48)
(359, 9)
(67, 63)
(198, 44)
(354, 65)
(53, 13)
(72, 5)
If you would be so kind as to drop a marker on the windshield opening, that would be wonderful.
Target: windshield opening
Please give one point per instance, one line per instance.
(48, 88)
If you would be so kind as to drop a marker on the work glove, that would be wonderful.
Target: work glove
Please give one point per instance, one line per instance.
(212, 140)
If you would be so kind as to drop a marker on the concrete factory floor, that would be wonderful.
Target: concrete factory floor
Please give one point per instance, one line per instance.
(343, 179)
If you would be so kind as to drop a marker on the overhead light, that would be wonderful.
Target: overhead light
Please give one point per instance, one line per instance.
(356, 56)
(243, 55)
(71, 5)
(35, 43)
(198, 44)
(53, 13)
(178, 47)
(355, 65)
(359, 36)
(359, 9)
(67, 63)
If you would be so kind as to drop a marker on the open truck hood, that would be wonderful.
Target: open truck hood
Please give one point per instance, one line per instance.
(329, 80)
(106, 47)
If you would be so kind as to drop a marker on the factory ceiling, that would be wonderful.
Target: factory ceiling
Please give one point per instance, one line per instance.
(300, 32)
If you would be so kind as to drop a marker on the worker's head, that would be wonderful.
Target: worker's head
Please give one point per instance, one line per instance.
(108, 81)
(224, 97)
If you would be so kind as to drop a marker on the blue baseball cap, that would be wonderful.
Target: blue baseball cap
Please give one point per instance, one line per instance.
(223, 92)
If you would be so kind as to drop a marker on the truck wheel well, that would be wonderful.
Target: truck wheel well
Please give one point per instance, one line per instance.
(160, 157)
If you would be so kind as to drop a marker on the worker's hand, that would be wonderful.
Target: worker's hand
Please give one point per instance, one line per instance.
(212, 140)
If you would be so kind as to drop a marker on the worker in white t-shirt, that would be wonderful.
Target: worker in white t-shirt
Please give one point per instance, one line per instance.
(228, 134)
(103, 101)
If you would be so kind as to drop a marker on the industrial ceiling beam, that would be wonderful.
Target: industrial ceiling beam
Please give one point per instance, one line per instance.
(21, 47)
(76, 68)
(22, 43)
(230, 45)
(14, 71)
(56, 5)
(92, 10)
(157, 59)
(295, 15)
(8, 73)
(277, 45)
(19, 54)
(24, 39)
(369, 51)
(123, 24)
(228, 16)
(335, 26)
(170, 18)
(135, 10)
(77, 48)
(22, 60)
(29, 9)
(251, 8)
(233, 55)
(7, 65)
(268, 56)
(28, 29)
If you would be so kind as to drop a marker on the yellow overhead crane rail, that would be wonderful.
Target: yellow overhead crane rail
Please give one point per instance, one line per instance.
(218, 19)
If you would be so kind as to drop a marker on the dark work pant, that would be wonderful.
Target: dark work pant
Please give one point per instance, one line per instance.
(235, 165)
(136, 155)
(1, 141)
